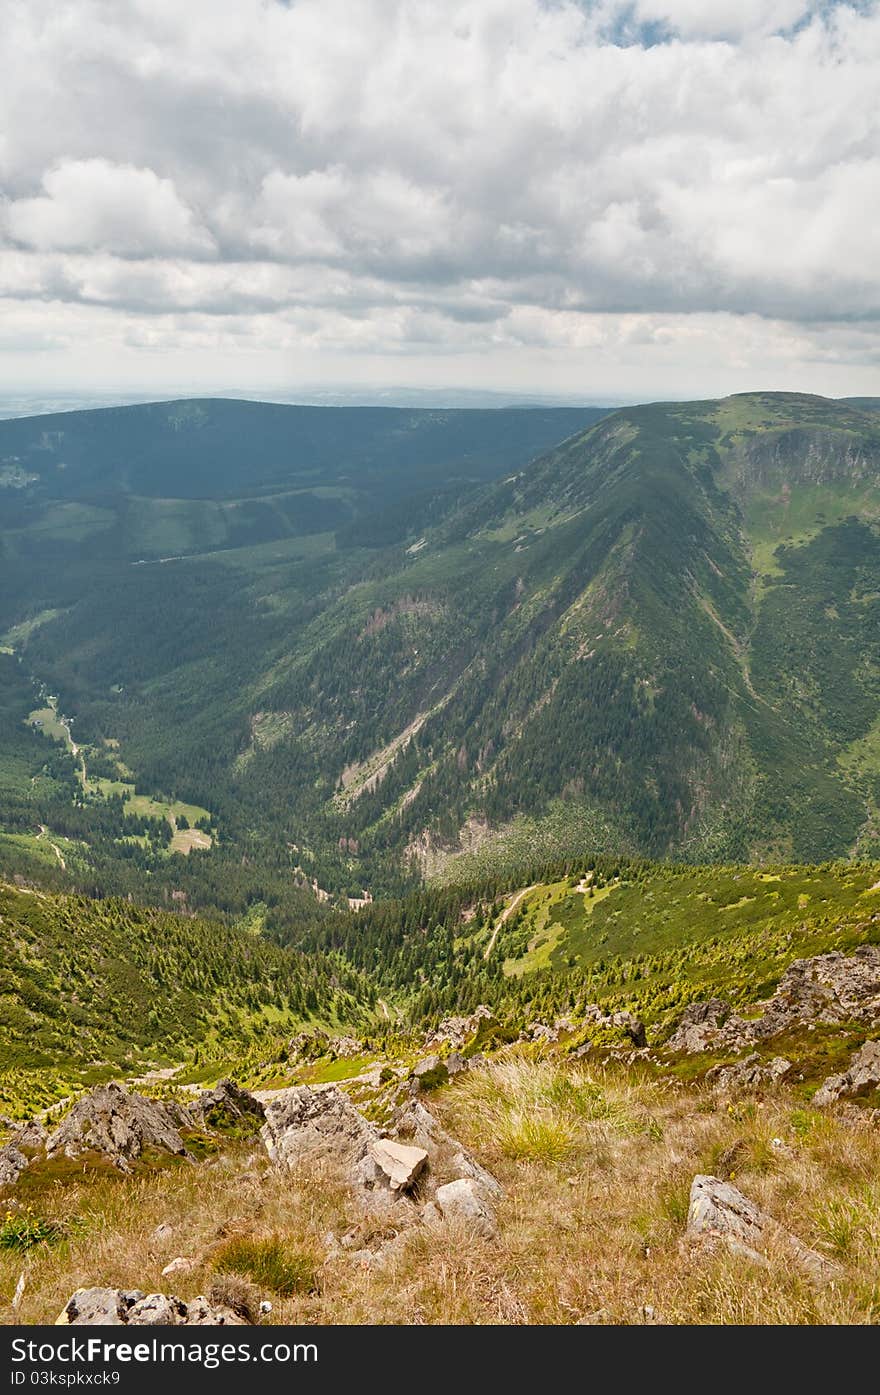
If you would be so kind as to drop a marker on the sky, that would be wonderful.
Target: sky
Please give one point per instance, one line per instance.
(608, 200)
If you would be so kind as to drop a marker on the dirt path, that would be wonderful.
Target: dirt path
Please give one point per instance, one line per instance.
(44, 833)
(504, 915)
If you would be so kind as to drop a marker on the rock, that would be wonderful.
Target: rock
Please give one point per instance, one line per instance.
(749, 1074)
(201, 1313)
(698, 1026)
(98, 1307)
(430, 1073)
(320, 1126)
(633, 1026)
(163, 1232)
(862, 1077)
(306, 1127)
(462, 1200)
(157, 1310)
(345, 1046)
(118, 1125)
(180, 1265)
(31, 1136)
(308, 1046)
(12, 1164)
(447, 1158)
(401, 1164)
(458, 1031)
(455, 1064)
(718, 1211)
(18, 1154)
(596, 1019)
(114, 1307)
(227, 1106)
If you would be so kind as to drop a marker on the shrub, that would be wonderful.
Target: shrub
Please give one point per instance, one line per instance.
(22, 1230)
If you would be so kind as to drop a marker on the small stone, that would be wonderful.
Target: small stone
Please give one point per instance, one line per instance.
(180, 1265)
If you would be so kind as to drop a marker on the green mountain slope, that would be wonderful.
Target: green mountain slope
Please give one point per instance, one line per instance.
(93, 989)
(660, 637)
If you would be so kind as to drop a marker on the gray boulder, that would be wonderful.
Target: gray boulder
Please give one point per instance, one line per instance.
(719, 1212)
(447, 1157)
(117, 1125)
(157, 1310)
(862, 1077)
(322, 1128)
(463, 1201)
(698, 1026)
(458, 1031)
(227, 1106)
(319, 1126)
(12, 1164)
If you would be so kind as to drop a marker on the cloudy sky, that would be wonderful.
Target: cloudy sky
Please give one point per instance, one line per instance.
(609, 198)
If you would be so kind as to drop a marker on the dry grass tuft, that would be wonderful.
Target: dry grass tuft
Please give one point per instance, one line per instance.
(238, 1293)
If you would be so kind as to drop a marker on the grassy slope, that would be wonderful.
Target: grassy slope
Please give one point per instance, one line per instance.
(596, 1169)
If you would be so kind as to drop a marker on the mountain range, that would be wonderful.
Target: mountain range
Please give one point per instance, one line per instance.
(343, 649)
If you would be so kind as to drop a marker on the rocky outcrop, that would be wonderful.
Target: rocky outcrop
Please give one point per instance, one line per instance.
(447, 1158)
(456, 1032)
(321, 1127)
(430, 1073)
(462, 1202)
(827, 989)
(26, 1140)
(617, 1024)
(547, 1032)
(310, 1046)
(114, 1307)
(698, 1026)
(862, 1077)
(12, 1164)
(749, 1074)
(118, 1126)
(719, 1213)
(227, 1106)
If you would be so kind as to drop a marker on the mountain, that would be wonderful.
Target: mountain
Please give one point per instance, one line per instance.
(659, 637)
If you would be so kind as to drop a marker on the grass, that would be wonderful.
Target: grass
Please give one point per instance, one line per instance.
(589, 1234)
(273, 1262)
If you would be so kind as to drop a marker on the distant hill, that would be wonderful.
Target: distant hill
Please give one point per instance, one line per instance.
(658, 637)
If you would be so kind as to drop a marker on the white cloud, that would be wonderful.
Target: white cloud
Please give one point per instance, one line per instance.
(116, 208)
(446, 176)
